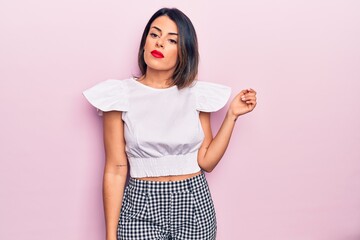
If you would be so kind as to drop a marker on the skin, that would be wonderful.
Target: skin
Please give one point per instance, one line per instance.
(158, 75)
(163, 38)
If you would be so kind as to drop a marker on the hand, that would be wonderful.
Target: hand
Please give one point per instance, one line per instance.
(243, 102)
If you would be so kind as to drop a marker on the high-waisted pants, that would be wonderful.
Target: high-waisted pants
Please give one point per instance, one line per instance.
(167, 210)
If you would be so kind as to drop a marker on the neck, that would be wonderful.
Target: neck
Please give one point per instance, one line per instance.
(159, 79)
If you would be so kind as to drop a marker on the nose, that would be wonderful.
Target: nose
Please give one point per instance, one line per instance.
(159, 43)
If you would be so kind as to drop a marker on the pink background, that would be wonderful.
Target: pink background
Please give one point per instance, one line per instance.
(292, 170)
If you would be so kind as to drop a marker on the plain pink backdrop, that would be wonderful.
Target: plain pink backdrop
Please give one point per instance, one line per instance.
(292, 170)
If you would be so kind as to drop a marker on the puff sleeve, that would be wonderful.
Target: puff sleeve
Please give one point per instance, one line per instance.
(109, 95)
(210, 97)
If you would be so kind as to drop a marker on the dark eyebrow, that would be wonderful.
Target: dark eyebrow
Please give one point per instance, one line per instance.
(170, 33)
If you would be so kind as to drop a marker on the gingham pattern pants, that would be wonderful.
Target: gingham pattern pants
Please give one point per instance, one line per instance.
(167, 210)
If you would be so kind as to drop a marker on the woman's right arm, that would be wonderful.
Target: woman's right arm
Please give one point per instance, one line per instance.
(115, 171)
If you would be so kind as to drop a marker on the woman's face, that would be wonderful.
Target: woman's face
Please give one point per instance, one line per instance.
(161, 48)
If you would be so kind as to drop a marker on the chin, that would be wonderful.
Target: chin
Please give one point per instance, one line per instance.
(158, 64)
(160, 68)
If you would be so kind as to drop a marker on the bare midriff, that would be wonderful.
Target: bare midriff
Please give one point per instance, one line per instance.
(170, 178)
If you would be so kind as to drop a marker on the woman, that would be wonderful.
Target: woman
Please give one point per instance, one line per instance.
(159, 123)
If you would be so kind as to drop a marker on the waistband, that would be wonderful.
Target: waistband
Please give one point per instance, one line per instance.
(163, 166)
(186, 185)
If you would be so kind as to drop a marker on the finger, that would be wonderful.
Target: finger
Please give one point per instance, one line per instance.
(247, 94)
(243, 98)
(251, 102)
(251, 90)
(248, 97)
(243, 92)
(242, 95)
(251, 106)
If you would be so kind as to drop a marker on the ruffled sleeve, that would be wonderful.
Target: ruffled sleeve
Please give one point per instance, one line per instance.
(109, 95)
(210, 97)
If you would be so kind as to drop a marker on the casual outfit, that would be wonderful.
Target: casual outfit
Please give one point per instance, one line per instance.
(163, 134)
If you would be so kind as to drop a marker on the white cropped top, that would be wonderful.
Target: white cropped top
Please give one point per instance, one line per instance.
(162, 128)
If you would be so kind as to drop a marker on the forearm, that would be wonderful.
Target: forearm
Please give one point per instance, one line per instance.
(219, 144)
(113, 191)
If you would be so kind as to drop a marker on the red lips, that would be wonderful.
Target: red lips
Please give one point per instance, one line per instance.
(157, 54)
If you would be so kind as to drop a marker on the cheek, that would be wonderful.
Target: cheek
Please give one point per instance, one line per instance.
(147, 50)
(147, 45)
(174, 54)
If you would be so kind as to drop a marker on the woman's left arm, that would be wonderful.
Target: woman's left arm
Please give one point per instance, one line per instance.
(212, 149)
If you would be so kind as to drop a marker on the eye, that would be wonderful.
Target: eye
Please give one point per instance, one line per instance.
(172, 41)
(153, 35)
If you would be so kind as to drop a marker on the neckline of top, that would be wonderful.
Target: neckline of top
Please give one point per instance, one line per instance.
(152, 88)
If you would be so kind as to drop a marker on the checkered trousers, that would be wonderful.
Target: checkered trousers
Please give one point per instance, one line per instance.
(167, 210)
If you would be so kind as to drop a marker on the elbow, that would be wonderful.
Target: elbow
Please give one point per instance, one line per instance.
(206, 165)
(207, 169)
